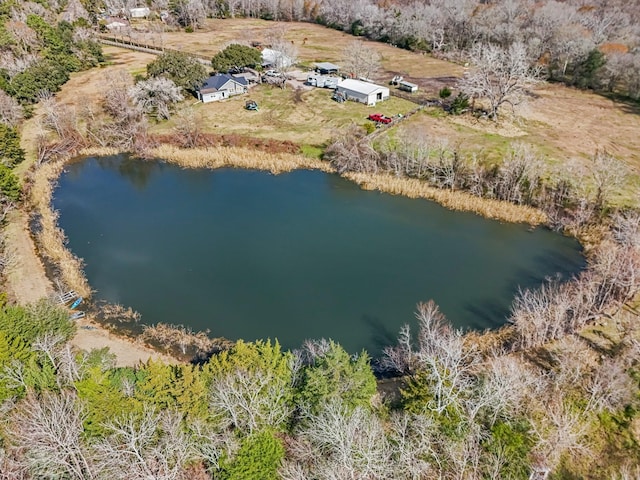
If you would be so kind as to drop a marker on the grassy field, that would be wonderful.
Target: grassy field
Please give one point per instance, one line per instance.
(313, 42)
(310, 119)
(560, 123)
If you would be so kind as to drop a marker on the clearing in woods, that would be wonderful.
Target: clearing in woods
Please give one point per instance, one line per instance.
(559, 122)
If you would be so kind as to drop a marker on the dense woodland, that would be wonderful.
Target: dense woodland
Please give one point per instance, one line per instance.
(555, 394)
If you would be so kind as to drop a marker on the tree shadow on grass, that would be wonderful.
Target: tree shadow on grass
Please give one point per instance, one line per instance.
(626, 104)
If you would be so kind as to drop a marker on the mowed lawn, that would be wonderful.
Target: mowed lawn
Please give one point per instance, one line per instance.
(311, 118)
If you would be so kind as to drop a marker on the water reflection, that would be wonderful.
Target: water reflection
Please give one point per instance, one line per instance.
(301, 255)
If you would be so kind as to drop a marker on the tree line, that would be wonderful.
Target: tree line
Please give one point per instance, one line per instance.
(593, 45)
(462, 410)
(572, 195)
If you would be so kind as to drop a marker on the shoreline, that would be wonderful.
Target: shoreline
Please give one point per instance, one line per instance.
(49, 244)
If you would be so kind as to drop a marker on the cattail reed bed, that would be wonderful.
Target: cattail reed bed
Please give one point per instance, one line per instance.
(50, 237)
(239, 157)
(451, 199)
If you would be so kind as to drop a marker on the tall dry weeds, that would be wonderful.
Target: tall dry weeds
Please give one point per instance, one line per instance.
(51, 238)
(451, 199)
(218, 157)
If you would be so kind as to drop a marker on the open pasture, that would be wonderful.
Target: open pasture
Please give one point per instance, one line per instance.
(313, 42)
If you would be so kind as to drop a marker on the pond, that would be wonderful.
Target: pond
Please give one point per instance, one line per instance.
(248, 254)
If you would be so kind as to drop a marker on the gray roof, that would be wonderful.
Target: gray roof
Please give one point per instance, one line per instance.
(327, 66)
(215, 82)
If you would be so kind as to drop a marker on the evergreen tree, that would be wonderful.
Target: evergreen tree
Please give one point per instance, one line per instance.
(336, 375)
(236, 57)
(184, 70)
(10, 152)
(259, 458)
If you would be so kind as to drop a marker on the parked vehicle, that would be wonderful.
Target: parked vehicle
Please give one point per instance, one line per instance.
(379, 118)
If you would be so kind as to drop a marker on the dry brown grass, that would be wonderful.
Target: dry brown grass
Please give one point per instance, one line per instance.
(51, 238)
(314, 43)
(183, 338)
(218, 157)
(451, 199)
(561, 123)
(98, 152)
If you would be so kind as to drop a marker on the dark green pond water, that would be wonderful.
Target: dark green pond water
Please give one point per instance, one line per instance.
(302, 255)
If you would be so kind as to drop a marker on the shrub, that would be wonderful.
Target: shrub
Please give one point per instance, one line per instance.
(259, 458)
(460, 104)
(444, 93)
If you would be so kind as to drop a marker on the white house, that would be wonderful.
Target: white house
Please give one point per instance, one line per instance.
(275, 59)
(116, 24)
(221, 86)
(363, 92)
(141, 12)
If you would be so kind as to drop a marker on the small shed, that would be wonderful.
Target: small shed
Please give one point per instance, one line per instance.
(141, 12)
(407, 86)
(363, 92)
(326, 68)
(219, 87)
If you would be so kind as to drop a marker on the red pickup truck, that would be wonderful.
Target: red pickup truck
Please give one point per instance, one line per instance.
(378, 117)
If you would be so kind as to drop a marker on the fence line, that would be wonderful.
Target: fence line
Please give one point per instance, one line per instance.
(147, 48)
(382, 127)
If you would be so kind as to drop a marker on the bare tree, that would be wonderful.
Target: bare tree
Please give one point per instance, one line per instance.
(519, 176)
(60, 119)
(353, 152)
(501, 76)
(48, 433)
(348, 444)
(562, 430)
(188, 127)
(10, 110)
(607, 174)
(249, 401)
(190, 13)
(151, 446)
(440, 354)
(127, 125)
(413, 441)
(156, 96)
(626, 229)
(361, 60)
(286, 54)
(543, 314)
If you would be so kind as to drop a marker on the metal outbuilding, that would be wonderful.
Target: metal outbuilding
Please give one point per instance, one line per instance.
(363, 92)
(326, 68)
(407, 86)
